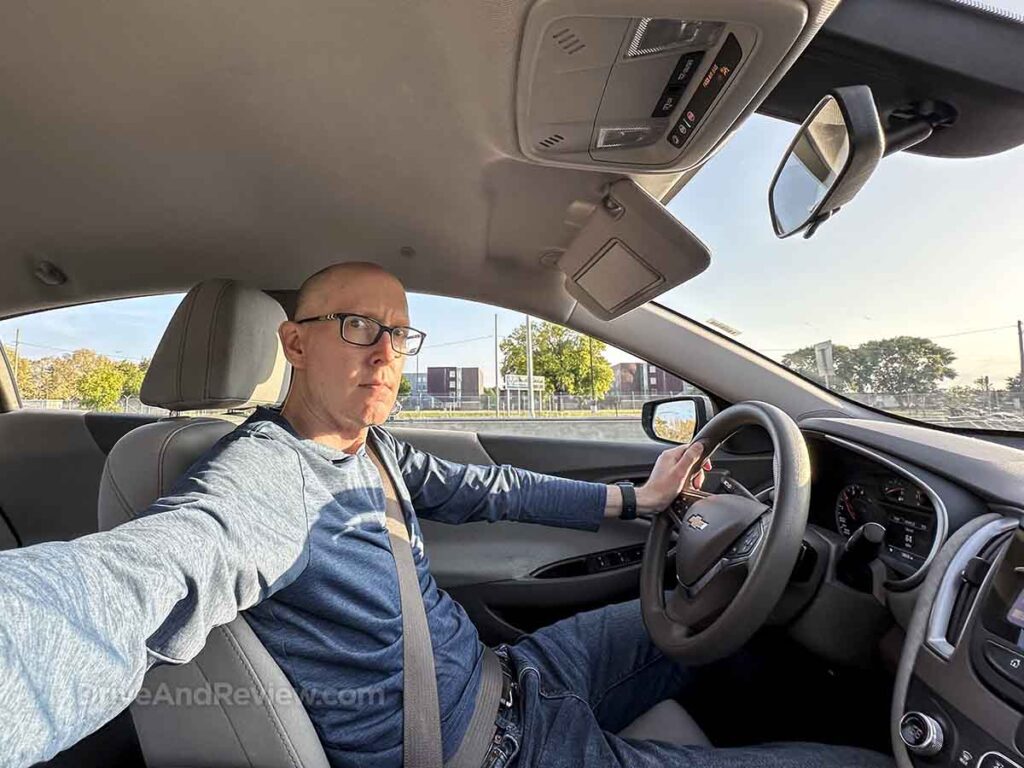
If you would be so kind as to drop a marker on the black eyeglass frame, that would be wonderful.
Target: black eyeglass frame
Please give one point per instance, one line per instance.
(382, 329)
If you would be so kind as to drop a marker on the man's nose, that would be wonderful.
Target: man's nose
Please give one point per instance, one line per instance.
(383, 353)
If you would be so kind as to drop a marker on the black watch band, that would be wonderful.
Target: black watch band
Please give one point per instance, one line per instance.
(628, 501)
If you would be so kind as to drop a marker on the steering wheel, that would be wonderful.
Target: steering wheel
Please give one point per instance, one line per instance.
(733, 554)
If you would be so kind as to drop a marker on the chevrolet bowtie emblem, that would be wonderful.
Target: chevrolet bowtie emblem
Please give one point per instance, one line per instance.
(697, 522)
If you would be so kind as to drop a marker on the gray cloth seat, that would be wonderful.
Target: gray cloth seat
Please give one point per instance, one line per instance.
(666, 721)
(232, 705)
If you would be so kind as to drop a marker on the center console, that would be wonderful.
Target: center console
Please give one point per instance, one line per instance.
(959, 697)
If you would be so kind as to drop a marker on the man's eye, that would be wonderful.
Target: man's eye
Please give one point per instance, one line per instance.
(357, 323)
(401, 333)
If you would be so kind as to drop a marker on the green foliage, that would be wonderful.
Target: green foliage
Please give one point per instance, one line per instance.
(94, 381)
(847, 377)
(899, 365)
(133, 374)
(905, 364)
(562, 357)
(404, 387)
(100, 388)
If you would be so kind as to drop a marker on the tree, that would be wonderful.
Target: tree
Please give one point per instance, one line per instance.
(133, 374)
(899, 365)
(1013, 383)
(844, 359)
(905, 364)
(24, 376)
(100, 388)
(562, 357)
(404, 387)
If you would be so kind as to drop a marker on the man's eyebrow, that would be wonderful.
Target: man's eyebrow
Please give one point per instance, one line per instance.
(403, 320)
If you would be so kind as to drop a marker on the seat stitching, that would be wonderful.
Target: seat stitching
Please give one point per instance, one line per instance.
(130, 513)
(264, 698)
(163, 450)
(209, 338)
(227, 716)
(181, 345)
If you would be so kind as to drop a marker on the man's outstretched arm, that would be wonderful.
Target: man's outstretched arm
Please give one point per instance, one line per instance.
(450, 492)
(82, 621)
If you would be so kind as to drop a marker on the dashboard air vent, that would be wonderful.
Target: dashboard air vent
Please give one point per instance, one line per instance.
(971, 579)
(568, 41)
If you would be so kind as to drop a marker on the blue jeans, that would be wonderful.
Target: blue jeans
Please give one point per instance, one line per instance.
(584, 678)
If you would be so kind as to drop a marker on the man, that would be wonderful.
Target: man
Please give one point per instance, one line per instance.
(286, 515)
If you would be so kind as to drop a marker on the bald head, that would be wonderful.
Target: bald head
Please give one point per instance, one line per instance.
(335, 288)
(340, 386)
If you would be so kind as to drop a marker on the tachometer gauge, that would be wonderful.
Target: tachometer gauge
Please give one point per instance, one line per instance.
(852, 510)
(894, 491)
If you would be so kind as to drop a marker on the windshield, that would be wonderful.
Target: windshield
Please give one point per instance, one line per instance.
(909, 300)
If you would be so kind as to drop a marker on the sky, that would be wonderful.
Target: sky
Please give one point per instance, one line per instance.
(929, 248)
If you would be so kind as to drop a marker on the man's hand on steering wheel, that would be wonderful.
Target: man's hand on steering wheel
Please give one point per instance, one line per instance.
(669, 475)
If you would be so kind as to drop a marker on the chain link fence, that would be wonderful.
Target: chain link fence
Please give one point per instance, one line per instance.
(954, 407)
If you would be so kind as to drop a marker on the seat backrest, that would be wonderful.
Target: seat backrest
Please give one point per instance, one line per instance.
(232, 705)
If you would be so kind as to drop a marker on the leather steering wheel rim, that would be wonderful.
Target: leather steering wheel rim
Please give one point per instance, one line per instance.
(770, 564)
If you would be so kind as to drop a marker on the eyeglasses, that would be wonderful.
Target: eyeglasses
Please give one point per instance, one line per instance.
(365, 332)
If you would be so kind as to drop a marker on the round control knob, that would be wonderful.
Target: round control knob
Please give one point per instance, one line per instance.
(922, 734)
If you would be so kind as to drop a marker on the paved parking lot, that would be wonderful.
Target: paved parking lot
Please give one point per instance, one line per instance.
(623, 429)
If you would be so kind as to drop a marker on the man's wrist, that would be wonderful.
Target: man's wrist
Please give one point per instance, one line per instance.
(646, 501)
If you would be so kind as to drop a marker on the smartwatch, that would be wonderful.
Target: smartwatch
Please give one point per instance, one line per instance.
(628, 501)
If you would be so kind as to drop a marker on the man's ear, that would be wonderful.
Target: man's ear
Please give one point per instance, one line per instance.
(292, 342)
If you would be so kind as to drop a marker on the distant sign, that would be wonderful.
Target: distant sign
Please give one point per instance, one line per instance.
(823, 359)
(518, 381)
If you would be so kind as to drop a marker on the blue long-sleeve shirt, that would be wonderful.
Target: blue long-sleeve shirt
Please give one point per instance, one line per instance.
(293, 531)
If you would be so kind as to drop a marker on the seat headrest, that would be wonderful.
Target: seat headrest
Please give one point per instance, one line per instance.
(220, 350)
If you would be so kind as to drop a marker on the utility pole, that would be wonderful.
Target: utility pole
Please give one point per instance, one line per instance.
(1020, 347)
(17, 341)
(593, 385)
(529, 365)
(497, 402)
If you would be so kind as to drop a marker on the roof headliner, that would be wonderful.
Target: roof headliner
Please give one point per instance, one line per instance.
(150, 145)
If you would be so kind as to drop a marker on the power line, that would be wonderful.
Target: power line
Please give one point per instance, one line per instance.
(72, 351)
(979, 330)
(459, 341)
(940, 336)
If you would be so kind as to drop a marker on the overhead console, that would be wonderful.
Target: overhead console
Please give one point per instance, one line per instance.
(647, 86)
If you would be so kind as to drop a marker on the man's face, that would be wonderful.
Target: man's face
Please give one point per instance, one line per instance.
(353, 386)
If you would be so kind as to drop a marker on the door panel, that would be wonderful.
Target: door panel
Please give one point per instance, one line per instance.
(513, 577)
(50, 467)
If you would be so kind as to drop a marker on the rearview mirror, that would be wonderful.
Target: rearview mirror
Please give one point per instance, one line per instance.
(833, 154)
(674, 420)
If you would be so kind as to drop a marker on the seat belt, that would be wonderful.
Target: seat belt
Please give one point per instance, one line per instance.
(421, 719)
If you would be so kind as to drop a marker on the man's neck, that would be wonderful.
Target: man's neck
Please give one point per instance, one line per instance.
(311, 425)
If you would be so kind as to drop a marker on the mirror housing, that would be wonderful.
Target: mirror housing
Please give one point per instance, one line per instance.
(675, 419)
(835, 151)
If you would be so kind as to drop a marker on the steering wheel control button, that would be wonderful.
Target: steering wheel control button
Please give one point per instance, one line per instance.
(996, 760)
(746, 544)
(1006, 662)
(922, 734)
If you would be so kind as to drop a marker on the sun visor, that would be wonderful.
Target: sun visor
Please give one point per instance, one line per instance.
(629, 251)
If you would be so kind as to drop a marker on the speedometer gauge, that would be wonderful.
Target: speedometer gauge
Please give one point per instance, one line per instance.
(852, 510)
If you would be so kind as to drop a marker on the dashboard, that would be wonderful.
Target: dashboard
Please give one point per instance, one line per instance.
(855, 489)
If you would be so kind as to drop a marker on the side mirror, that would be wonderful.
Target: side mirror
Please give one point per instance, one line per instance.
(676, 419)
(832, 156)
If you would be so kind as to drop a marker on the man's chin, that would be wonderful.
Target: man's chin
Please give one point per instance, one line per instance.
(378, 414)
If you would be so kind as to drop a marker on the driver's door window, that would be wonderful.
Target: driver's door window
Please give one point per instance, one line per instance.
(582, 387)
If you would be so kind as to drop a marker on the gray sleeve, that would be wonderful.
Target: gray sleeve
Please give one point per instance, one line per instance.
(448, 492)
(82, 621)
